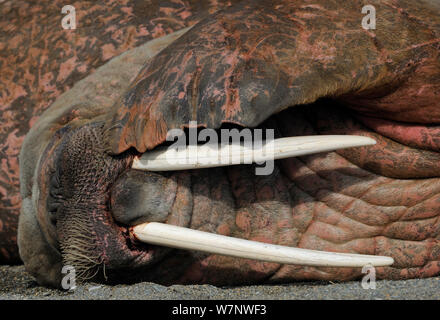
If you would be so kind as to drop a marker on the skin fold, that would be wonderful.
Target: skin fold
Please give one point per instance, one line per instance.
(300, 68)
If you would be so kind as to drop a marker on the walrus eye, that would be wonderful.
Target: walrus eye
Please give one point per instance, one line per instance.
(205, 156)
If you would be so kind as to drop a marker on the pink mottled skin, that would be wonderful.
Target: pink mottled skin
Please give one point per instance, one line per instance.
(40, 60)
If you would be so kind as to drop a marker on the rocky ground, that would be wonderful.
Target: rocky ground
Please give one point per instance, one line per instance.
(16, 284)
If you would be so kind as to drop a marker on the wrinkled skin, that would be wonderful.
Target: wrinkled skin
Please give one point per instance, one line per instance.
(300, 67)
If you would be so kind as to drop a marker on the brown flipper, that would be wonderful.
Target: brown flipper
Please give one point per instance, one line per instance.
(244, 63)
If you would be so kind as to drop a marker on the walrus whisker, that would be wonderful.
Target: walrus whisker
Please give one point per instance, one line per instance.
(79, 249)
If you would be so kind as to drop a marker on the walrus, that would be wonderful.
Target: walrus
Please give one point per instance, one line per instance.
(301, 68)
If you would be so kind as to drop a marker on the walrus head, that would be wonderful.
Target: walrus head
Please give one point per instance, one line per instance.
(298, 68)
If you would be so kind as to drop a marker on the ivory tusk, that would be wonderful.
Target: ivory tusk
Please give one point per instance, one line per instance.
(208, 156)
(189, 239)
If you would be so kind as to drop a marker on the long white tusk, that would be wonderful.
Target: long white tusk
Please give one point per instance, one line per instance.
(184, 238)
(208, 155)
